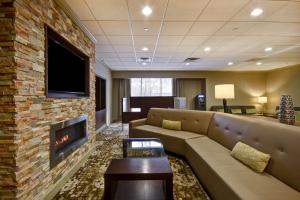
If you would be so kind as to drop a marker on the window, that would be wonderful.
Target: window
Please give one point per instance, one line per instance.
(151, 87)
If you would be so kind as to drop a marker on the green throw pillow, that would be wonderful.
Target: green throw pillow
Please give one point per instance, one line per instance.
(236, 111)
(250, 110)
(297, 115)
(220, 110)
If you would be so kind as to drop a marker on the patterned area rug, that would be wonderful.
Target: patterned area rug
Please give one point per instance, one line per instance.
(88, 182)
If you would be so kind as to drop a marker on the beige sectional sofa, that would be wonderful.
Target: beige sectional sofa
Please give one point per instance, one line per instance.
(206, 140)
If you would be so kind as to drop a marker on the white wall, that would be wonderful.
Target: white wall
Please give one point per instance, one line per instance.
(103, 71)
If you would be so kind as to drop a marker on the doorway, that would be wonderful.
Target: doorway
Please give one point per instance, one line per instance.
(100, 102)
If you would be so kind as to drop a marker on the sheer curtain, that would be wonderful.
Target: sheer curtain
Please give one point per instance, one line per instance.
(151, 87)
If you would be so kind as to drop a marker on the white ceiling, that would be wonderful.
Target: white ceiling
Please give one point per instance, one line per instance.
(183, 28)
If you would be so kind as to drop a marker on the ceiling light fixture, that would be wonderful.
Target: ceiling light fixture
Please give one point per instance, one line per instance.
(230, 63)
(207, 49)
(146, 29)
(147, 11)
(256, 12)
(187, 64)
(145, 49)
(258, 63)
(267, 49)
(144, 63)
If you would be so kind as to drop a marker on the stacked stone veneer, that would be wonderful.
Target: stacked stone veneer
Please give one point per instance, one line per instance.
(25, 112)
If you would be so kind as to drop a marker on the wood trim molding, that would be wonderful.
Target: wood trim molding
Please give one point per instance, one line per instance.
(66, 8)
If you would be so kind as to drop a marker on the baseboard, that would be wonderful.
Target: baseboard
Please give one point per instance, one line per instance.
(54, 189)
(101, 128)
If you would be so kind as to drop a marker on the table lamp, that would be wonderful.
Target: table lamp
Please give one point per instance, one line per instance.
(224, 91)
(262, 100)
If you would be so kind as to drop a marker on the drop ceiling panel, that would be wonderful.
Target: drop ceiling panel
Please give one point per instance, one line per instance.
(106, 55)
(104, 49)
(126, 55)
(93, 27)
(81, 9)
(188, 9)
(108, 10)
(183, 28)
(144, 40)
(136, 6)
(120, 40)
(275, 28)
(170, 40)
(163, 49)
(269, 7)
(102, 40)
(220, 10)
(288, 13)
(115, 27)
(123, 48)
(205, 28)
(194, 40)
(138, 27)
(176, 28)
(235, 28)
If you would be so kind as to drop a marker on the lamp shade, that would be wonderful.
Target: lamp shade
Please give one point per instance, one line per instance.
(225, 91)
(262, 99)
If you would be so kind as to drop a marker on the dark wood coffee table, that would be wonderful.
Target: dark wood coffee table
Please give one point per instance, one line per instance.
(138, 171)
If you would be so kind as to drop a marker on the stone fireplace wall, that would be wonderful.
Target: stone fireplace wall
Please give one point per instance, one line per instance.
(25, 112)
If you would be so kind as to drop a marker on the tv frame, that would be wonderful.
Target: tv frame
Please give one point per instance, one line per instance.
(49, 32)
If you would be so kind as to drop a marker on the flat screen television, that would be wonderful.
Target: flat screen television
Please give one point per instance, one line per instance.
(67, 68)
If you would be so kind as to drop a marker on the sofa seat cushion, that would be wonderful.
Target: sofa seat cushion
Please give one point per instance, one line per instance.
(227, 178)
(172, 140)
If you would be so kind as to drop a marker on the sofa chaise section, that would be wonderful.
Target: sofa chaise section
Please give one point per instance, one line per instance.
(193, 125)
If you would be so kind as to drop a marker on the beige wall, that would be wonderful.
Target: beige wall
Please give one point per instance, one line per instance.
(248, 85)
(283, 81)
(104, 72)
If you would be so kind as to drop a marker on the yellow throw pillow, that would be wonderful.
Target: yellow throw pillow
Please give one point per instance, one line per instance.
(251, 157)
(173, 125)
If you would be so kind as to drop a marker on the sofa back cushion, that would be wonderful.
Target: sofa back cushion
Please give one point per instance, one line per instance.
(191, 120)
(281, 141)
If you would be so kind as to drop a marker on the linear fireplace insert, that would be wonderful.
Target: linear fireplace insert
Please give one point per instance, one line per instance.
(66, 137)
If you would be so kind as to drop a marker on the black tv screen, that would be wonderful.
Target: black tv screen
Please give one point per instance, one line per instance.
(68, 68)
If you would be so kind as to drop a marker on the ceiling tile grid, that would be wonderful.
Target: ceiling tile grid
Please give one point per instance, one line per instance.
(176, 30)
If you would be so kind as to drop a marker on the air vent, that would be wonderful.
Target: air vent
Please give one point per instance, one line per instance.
(253, 60)
(144, 60)
(191, 59)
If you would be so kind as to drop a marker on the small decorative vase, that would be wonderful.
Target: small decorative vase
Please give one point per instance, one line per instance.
(286, 112)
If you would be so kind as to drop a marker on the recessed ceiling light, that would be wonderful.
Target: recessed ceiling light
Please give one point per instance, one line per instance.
(145, 49)
(207, 49)
(146, 29)
(143, 63)
(147, 11)
(230, 63)
(256, 12)
(268, 49)
(258, 63)
(187, 64)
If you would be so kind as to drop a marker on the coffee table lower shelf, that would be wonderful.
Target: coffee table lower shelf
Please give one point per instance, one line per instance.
(139, 178)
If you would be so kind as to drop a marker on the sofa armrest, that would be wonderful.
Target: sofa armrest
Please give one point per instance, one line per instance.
(138, 122)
